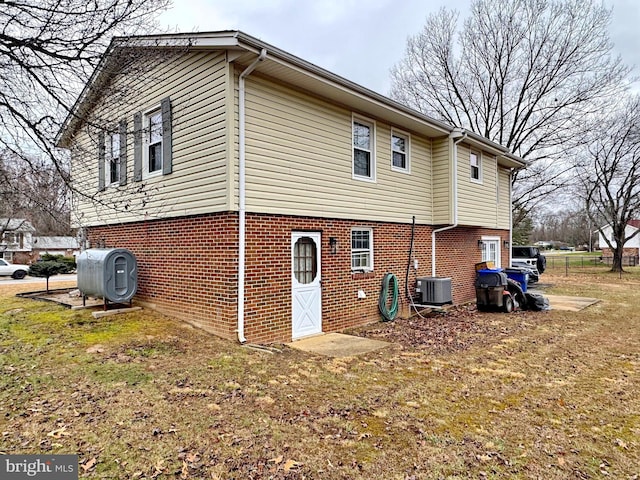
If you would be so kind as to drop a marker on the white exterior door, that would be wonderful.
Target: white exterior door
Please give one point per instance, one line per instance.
(306, 286)
(491, 250)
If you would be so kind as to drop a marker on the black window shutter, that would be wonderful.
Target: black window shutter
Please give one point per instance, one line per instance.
(122, 131)
(101, 152)
(137, 147)
(167, 145)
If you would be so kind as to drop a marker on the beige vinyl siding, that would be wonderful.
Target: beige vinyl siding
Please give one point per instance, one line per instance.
(196, 83)
(504, 199)
(477, 202)
(299, 161)
(442, 203)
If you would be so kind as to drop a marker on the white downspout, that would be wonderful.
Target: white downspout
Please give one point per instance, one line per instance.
(242, 193)
(457, 136)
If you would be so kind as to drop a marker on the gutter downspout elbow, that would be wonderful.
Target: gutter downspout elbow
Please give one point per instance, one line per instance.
(242, 192)
(457, 135)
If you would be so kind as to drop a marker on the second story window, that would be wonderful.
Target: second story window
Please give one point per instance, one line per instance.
(476, 166)
(363, 150)
(154, 142)
(112, 156)
(400, 152)
(112, 166)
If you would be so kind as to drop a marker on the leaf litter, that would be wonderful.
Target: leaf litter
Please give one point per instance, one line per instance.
(468, 394)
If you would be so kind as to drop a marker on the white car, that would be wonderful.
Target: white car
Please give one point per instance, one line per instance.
(14, 270)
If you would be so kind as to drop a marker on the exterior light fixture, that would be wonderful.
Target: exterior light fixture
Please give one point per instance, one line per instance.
(506, 244)
(480, 243)
(333, 245)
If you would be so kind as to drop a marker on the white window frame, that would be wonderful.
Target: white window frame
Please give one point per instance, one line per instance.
(372, 148)
(146, 142)
(478, 156)
(356, 251)
(407, 153)
(110, 156)
(485, 250)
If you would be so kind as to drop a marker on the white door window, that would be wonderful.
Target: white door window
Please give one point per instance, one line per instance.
(306, 286)
(491, 250)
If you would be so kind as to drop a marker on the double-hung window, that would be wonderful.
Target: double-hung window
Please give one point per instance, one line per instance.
(153, 142)
(399, 152)
(363, 149)
(112, 160)
(362, 249)
(112, 156)
(475, 162)
(152, 147)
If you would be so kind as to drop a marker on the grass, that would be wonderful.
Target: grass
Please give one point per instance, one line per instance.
(554, 395)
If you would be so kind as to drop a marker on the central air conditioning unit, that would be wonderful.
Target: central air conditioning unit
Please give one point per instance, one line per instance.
(434, 290)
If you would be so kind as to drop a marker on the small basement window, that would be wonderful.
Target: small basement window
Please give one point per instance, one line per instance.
(362, 249)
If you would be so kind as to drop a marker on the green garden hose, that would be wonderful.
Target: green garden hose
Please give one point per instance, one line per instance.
(388, 314)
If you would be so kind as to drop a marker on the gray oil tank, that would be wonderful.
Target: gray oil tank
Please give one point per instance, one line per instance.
(109, 273)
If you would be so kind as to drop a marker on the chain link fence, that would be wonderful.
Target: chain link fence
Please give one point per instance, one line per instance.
(568, 263)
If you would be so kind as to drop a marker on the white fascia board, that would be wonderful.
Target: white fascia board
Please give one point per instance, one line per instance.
(203, 40)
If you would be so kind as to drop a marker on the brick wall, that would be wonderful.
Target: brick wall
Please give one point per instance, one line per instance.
(630, 256)
(23, 258)
(188, 268)
(627, 252)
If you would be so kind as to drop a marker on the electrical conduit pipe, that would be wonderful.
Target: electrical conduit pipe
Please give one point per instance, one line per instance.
(457, 136)
(242, 192)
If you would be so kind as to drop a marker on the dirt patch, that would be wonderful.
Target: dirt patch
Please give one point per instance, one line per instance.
(68, 297)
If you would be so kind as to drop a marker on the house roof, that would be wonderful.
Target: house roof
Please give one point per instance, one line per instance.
(243, 50)
(634, 223)
(55, 243)
(16, 225)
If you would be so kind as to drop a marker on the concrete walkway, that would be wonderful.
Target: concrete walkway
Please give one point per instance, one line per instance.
(570, 304)
(338, 345)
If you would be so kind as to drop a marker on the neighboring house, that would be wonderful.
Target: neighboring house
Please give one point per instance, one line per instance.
(265, 197)
(16, 238)
(630, 250)
(55, 245)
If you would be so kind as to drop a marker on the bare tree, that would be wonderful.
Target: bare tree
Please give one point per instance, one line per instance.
(524, 74)
(33, 190)
(568, 224)
(610, 173)
(48, 51)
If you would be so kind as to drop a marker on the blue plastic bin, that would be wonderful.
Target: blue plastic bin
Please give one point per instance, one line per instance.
(518, 275)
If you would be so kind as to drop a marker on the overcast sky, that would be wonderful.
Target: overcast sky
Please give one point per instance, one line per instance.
(358, 40)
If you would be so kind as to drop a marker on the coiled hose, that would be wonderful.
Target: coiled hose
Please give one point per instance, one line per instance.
(388, 281)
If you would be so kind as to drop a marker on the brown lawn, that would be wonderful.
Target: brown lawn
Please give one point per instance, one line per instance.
(549, 395)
